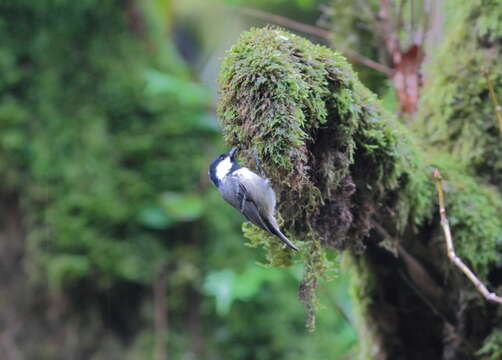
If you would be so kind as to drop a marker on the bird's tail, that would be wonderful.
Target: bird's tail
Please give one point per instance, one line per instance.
(270, 225)
(285, 239)
(274, 229)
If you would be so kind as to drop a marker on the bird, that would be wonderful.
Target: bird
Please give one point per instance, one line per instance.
(248, 192)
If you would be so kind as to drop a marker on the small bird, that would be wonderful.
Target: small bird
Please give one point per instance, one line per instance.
(248, 192)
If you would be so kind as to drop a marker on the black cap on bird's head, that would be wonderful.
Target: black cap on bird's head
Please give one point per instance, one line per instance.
(223, 165)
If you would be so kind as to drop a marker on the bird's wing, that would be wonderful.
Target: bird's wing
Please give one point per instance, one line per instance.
(239, 196)
(250, 210)
(258, 189)
(256, 201)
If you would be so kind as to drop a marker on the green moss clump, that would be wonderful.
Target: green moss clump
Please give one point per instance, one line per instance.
(300, 109)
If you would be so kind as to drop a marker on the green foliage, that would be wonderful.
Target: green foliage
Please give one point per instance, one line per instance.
(93, 152)
(280, 334)
(351, 27)
(228, 286)
(473, 211)
(66, 269)
(492, 347)
(276, 253)
(457, 114)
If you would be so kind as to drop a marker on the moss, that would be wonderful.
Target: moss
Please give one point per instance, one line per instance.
(457, 114)
(340, 164)
(473, 211)
(300, 109)
(492, 347)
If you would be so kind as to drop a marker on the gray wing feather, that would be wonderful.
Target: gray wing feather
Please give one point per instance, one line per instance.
(237, 194)
(255, 199)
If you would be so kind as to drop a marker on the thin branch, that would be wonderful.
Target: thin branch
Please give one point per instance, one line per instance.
(493, 97)
(316, 31)
(281, 20)
(449, 244)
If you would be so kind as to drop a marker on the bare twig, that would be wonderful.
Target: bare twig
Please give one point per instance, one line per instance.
(316, 31)
(493, 97)
(449, 244)
(281, 20)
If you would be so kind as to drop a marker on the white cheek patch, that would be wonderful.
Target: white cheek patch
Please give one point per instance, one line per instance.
(223, 168)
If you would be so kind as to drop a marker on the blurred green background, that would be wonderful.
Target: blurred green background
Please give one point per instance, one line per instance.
(113, 243)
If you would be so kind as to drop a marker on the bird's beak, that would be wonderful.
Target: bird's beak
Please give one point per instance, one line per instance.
(232, 152)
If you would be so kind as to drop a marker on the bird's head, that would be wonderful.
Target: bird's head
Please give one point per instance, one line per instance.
(222, 166)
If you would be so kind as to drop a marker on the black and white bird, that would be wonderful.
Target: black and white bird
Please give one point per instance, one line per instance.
(248, 192)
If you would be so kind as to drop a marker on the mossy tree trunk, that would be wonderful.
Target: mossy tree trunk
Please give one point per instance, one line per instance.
(351, 178)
